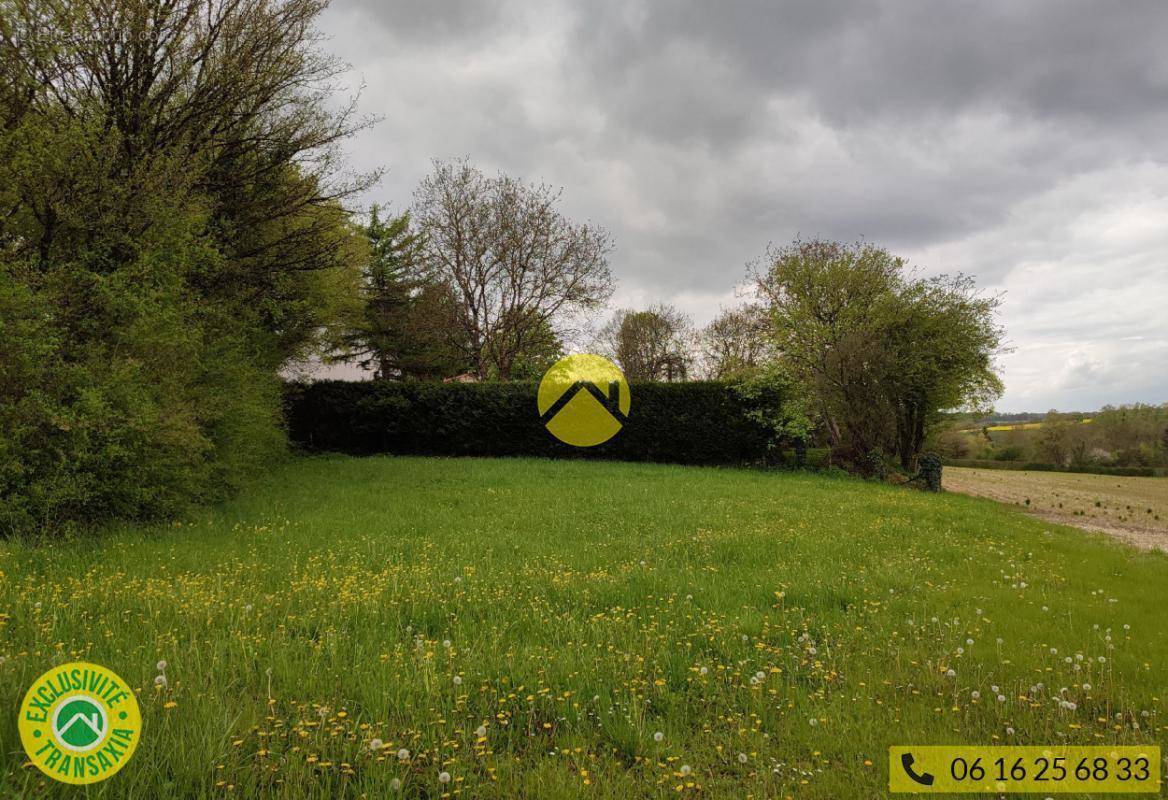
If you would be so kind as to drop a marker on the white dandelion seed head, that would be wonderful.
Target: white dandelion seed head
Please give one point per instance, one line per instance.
(685, 769)
(812, 650)
(813, 722)
(704, 670)
(994, 688)
(376, 744)
(950, 673)
(447, 643)
(1086, 687)
(743, 758)
(160, 680)
(658, 736)
(975, 695)
(969, 641)
(444, 777)
(960, 651)
(1001, 698)
(458, 680)
(760, 675)
(161, 665)
(395, 785)
(1009, 731)
(481, 731)
(403, 754)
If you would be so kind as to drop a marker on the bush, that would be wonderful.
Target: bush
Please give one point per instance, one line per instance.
(682, 423)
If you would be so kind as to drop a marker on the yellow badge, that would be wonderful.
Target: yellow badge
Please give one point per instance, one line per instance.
(79, 723)
(584, 400)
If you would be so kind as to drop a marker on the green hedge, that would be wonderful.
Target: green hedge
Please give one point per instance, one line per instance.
(1135, 472)
(683, 423)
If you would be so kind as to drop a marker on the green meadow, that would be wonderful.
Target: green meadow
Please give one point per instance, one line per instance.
(523, 628)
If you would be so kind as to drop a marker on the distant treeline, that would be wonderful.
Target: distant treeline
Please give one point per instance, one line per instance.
(1127, 436)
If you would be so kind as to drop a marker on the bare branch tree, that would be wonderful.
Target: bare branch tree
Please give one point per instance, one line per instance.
(518, 267)
(651, 345)
(737, 340)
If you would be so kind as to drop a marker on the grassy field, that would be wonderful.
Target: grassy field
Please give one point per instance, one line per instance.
(560, 629)
(1132, 509)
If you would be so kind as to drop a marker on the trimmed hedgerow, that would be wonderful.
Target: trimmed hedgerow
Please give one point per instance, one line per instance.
(683, 423)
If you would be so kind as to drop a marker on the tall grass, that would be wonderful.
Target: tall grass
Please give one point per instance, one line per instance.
(559, 629)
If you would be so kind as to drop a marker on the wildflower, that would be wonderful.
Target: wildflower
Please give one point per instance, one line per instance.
(1086, 687)
(395, 785)
(760, 675)
(658, 736)
(704, 670)
(813, 722)
(1102, 660)
(481, 731)
(1001, 698)
(685, 769)
(950, 673)
(812, 650)
(403, 754)
(1009, 731)
(458, 680)
(160, 681)
(743, 758)
(975, 695)
(444, 777)
(1068, 705)
(376, 744)
(994, 688)
(969, 641)
(161, 665)
(447, 643)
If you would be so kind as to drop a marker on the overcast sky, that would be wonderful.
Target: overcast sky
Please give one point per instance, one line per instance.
(1022, 142)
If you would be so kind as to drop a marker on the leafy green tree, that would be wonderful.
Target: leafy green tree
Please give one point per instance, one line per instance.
(172, 232)
(880, 352)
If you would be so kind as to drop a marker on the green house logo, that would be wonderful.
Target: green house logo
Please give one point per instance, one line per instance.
(79, 723)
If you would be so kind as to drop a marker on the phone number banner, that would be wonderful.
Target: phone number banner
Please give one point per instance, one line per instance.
(926, 769)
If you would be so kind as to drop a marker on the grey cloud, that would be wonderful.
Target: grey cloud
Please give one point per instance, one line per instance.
(1021, 142)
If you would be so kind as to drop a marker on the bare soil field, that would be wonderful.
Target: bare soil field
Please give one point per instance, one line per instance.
(1132, 509)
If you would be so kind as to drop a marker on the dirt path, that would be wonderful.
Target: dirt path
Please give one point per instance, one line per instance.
(1132, 509)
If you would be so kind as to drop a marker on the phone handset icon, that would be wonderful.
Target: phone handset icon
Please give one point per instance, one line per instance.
(924, 779)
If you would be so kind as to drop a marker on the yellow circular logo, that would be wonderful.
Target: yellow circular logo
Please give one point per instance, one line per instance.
(584, 400)
(79, 723)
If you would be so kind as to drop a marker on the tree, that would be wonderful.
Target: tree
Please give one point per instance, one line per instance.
(171, 216)
(404, 325)
(515, 265)
(880, 351)
(737, 341)
(650, 345)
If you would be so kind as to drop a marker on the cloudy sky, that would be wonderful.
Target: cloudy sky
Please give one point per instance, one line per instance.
(1024, 143)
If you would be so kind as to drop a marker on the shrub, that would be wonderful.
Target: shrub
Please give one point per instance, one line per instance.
(683, 423)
